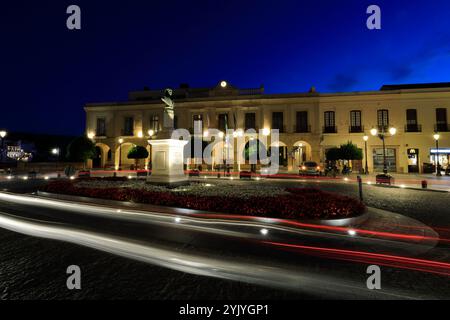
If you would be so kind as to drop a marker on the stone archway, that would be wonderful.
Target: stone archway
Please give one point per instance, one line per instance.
(302, 151)
(283, 153)
(121, 159)
(102, 156)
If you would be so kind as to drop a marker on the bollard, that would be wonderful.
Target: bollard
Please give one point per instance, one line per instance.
(424, 184)
(360, 188)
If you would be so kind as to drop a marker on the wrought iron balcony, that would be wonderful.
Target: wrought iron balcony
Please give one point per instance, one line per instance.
(282, 129)
(413, 128)
(127, 133)
(356, 129)
(442, 127)
(330, 129)
(302, 129)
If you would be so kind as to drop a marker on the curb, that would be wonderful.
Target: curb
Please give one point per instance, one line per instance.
(346, 222)
(405, 188)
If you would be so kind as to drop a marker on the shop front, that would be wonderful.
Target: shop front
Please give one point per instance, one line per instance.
(441, 156)
(413, 161)
(391, 159)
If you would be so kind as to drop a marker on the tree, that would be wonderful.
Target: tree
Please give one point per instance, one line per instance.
(347, 152)
(81, 149)
(137, 153)
(333, 154)
(350, 151)
(253, 151)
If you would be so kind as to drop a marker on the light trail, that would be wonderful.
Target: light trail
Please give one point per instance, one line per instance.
(284, 225)
(260, 228)
(204, 265)
(422, 265)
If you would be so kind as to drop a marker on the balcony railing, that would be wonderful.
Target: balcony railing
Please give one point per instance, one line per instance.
(356, 129)
(100, 133)
(302, 129)
(255, 127)
(281, 130)
(384, 129)
(413, 128)
(330, 129)
(127, 133)
(442, 127)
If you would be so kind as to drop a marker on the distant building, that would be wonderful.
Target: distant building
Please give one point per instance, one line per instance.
(309, 123)
(16, 151)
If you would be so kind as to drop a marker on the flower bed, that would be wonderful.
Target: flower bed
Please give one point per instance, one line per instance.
(292, 203)
(222, 189)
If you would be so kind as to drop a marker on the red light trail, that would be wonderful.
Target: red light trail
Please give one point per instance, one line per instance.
(414, 264)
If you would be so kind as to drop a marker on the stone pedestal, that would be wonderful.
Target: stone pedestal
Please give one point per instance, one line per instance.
(168, 162)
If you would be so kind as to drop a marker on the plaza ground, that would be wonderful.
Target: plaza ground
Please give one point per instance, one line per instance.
(35, 268)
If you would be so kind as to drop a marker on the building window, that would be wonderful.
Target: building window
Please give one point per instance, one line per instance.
(197, 120)
(223, 122)
(175, 122)
(302, 122)
(154, 123)
(383, 120)
(441, 120)
(250, 121)
(330, 122)
(101, 127)
(411, 121)
(128, 128)
(391, 159)
(278, 121)
(355, 122)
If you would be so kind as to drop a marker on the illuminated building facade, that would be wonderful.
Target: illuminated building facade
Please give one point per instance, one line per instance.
(309, 123)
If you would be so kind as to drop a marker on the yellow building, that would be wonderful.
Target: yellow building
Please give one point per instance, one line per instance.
(309, 123)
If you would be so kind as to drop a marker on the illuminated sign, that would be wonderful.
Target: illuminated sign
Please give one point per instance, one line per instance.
(441, 151)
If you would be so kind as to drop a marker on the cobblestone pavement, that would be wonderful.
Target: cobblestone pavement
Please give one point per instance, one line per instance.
(32, 268)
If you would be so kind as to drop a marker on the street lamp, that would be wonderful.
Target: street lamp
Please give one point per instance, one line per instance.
(120, 153)
(3, 134)
(382, 135)
(438, 166)
(366, 138)
(151, 134)
(56, 152)
(266, 132)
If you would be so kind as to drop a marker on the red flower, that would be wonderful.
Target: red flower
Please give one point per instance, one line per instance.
(301, 203)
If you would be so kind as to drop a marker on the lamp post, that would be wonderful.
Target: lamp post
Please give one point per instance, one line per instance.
(151, 134)
(366, 138)
(56, 152)
(120, 153)
(3, 134)
(383, 135)
(438, 166)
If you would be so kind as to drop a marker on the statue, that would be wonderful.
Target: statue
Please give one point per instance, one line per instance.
(168, 153)
(169, 110)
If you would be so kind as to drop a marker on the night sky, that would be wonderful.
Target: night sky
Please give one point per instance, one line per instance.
(48, 72)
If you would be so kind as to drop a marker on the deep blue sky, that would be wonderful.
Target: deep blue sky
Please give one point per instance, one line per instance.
(49, 72)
